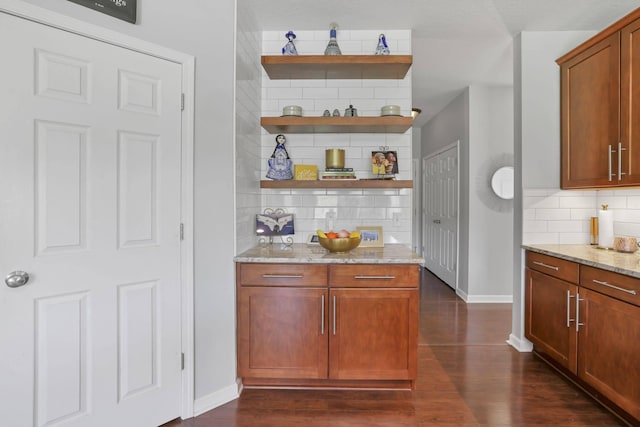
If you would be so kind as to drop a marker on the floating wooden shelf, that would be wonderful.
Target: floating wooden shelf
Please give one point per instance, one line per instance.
(339, 183)
(337, 66)
(293, 124)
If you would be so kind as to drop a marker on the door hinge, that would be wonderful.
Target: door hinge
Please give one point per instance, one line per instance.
(182, 102)
(182, 361)
(181, 231)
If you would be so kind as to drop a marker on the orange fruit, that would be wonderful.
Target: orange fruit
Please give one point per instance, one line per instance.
(332, 235)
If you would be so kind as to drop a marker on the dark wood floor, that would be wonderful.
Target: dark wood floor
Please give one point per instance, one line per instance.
(467, 376)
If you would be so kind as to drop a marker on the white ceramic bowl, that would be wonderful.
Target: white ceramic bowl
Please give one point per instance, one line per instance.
(292, 110)
(390, 110)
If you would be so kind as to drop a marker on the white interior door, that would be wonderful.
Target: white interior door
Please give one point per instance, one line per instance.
(90, 209)
(440, 214)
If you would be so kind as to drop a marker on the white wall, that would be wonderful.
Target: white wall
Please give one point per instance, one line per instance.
(391, 209)
(481, 118)
(209, 36)
(490, 218)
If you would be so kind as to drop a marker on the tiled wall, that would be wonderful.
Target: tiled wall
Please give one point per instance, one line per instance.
(339, 209)
(248, 140)
(562, 217)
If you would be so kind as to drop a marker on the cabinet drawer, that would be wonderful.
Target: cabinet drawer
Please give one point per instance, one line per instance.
(374, 276)
(556, 267)
(267, 274)
(625, 288)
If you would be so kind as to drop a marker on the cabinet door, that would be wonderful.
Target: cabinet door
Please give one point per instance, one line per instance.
(590, 102)
(282, 332)
(374, 334)
(630, 102)
(609, 345)
(550, 317)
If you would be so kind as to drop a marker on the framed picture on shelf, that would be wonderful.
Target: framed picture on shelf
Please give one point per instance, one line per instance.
(274, 224)
(384, 162)
(313, 239)
(371, 236)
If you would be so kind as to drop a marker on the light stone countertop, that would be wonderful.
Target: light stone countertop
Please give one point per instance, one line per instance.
(316, 254)
(618, 262)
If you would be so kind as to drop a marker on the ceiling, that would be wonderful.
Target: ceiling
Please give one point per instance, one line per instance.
(455, 43)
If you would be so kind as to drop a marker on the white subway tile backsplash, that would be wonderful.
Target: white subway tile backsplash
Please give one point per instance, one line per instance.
(564, 226)
(553, 214)
(540, 215)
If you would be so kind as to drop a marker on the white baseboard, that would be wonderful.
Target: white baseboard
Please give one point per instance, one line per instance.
(522, 345)
(484, 299)
(215, 399)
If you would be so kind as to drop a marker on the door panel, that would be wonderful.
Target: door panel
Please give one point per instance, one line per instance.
(440, 221)
(282, 332)
(373, 333)
(608, 343)
(90, 208)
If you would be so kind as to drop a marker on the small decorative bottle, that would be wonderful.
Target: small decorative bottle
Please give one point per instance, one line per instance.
(382, 48)
(332, 47)
(290, 48)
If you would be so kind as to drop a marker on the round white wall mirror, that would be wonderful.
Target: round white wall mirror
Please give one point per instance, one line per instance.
(502, 182)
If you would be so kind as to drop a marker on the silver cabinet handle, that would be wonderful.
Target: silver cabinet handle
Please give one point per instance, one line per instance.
(374, 277)
(436, 221)
(322, 317)
(334, 315)
(578, 324)
(569, 319)
(620, 173)
(542, 264)
(610, 151)
(629, 291)
(15, 279)
(283, 276)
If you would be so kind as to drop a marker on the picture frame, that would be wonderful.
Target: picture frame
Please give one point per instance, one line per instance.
(313, 239)
(272, 224)
(121, 9)
(371, 236)
(384, 163)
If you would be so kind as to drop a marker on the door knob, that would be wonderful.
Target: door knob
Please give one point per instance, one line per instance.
(15, 279)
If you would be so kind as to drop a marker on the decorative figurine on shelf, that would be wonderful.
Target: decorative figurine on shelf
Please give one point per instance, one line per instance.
(279, 162)
(382, 48)
(290, 48)
(336, 113)
(332, 47)
(326, 113)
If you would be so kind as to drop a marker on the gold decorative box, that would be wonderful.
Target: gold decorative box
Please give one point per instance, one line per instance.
(305, 172)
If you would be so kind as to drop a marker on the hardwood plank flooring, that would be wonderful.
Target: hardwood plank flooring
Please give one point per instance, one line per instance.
(467, 376)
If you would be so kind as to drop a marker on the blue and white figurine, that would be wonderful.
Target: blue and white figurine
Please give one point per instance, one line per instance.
(290, 48)
(280, 165)
(382, 48)
(332, 47)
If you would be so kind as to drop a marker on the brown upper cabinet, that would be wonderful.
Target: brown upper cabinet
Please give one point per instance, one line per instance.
(600, 109)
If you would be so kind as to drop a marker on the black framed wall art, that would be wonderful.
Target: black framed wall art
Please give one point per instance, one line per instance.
(121, 9)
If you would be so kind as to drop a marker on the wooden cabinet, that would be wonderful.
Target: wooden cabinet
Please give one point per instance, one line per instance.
(588, 321)
(609, 336)
(358, 329)
(600, 101)
(374, 321)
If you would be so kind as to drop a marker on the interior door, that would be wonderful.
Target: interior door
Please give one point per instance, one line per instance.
(90, 210)
(440, 214)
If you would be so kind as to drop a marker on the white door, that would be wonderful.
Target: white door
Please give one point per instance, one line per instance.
(440, 214)
(90, 209)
